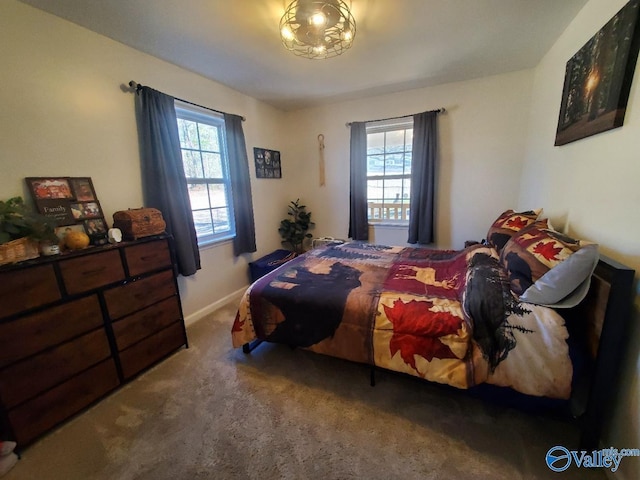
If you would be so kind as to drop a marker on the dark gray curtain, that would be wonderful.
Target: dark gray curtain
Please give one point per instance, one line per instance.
(245, 239)
(423, 167)
(358, 221)
(163, 180)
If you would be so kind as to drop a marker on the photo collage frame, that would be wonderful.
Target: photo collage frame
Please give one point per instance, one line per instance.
(73, 204)
(267, 163)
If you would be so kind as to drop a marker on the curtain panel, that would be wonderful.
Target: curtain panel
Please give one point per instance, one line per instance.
(423, 166)
(358, 221)
(245, 239)
(163, 180)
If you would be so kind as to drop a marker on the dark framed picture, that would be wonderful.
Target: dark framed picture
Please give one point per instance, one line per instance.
(268, 163)
(82, 189)
(73, 203)
(95, 226)
(82, 210)
(598, 79)
(52, 197)
(57, 208)
(49, 188)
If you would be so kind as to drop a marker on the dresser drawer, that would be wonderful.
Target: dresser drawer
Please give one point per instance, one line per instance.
(35, 417)
(31, 334)
(87, 272)
(30, 377)
(147, 257)
(152, 349)
(27, 288)
(146, 322)
(139, 294)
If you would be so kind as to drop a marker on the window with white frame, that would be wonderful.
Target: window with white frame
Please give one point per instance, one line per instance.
(206, 169)
(389, 146)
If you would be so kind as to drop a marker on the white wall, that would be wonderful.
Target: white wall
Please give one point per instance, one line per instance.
(482, 141)
(64, 114)
(591, 186)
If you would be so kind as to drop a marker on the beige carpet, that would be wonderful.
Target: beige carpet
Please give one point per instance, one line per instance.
(212, 412)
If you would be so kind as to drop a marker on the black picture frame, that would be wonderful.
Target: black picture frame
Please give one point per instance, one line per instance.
(82, 188)
(598, 78)
(71, 202)
(268, 163)
(85, 210)
(96, 228)
(49, 188)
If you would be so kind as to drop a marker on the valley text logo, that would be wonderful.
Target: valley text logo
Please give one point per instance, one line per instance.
(559, 458)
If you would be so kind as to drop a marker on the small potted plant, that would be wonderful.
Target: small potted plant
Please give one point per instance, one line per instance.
(293, 230)
(22, 230)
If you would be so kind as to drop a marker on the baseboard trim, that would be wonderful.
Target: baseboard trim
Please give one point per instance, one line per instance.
(203, 312)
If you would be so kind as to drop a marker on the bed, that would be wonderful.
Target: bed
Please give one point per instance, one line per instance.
(484, 315)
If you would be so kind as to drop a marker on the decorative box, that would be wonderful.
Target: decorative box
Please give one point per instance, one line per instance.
(139, 222)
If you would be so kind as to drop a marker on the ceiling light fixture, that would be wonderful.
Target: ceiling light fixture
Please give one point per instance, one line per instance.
(317, 29)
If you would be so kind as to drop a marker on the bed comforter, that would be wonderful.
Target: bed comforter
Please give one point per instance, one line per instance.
(445, 316)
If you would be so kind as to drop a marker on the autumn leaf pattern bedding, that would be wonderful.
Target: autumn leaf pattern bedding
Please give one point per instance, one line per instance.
(446, 316)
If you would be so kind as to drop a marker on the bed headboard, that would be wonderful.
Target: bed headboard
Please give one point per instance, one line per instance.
(601, 322)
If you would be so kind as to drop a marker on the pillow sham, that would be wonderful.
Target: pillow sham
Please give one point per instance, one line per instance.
(508, 224)
(535, 250)
(565, 285)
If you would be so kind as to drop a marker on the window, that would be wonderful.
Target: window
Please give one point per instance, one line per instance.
(389, 146)
(206, 169)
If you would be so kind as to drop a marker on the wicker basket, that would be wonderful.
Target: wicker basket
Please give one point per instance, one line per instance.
(18, 251)
(139, 222)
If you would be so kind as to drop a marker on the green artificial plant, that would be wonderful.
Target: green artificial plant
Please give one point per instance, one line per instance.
(17, 220)
(293, 230)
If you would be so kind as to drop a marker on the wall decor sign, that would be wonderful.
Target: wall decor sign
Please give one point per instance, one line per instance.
(598, 78)
(72, 202)
(267, 163)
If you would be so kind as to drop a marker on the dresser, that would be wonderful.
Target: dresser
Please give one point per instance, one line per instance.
(75, 327)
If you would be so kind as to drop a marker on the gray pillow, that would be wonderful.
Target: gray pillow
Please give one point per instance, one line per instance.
(566, 284)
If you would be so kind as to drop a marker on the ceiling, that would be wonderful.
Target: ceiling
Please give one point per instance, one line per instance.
(399, 44)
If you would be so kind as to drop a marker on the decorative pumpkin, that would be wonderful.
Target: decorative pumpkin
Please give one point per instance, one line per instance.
(76, 240)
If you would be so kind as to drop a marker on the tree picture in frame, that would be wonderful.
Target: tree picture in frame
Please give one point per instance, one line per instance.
(598, 78)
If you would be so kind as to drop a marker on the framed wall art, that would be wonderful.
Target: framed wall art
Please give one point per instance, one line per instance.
(72, 202)
(598, 79)
(268, 164)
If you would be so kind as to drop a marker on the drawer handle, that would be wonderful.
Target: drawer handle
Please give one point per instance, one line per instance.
(148, 257)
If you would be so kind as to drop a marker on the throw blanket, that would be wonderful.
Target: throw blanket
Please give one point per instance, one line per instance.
(446, 316)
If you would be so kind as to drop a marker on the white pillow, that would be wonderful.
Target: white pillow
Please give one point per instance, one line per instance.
(566, 284)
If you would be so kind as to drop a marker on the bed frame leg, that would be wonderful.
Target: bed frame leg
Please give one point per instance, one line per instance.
(373, 376)
(249, 347)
